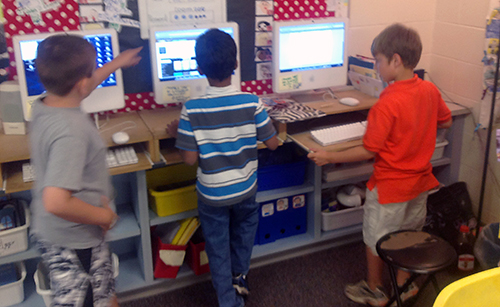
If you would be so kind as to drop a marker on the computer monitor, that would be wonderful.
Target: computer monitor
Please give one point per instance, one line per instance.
(173, 60)
(309, 54)
(109, 95)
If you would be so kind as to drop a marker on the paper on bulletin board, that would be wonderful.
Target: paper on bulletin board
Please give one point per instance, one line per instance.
(1, 12)
(174, 94)
(290, 82)
(155, 13)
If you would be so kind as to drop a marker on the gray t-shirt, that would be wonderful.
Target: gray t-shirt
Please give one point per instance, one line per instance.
(67, 152)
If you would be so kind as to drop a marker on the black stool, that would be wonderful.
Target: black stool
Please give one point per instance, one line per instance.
(416, 252)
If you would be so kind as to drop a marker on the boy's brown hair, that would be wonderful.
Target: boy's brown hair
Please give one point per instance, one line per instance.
(63, 60)
(399, 39)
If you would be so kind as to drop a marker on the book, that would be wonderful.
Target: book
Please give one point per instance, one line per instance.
(190, 230)
(184, 225)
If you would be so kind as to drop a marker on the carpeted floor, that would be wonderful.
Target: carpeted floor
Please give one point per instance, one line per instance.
(315, 280)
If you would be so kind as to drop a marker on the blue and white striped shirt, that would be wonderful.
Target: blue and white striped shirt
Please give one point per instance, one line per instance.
(224, 126)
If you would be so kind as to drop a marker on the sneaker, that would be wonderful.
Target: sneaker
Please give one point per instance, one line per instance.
(410, 292)
(361, 293)
(240, 284)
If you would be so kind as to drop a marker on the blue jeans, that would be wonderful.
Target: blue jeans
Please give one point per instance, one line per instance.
(229, 238)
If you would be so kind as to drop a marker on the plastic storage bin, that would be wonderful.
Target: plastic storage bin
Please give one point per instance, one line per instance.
(15, 240)
(168, 202)
(342, 218)
(281, 218)
(13, 293)
(281, 168)
(42, 282)
(439, 150)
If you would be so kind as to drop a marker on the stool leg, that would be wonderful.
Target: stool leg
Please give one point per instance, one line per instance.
(395, 287)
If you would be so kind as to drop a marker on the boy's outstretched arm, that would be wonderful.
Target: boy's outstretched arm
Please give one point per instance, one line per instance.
(354, 154)
(272, 143)
(61, 203)
(125, 59)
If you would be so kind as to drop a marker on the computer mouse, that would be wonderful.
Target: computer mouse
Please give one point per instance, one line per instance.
(349, 101)
(120, 137)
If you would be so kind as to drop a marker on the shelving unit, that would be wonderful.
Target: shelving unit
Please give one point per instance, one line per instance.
(131, 238)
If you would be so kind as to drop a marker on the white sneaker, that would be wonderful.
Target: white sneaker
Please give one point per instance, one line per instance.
(410, 292)
(362, 294)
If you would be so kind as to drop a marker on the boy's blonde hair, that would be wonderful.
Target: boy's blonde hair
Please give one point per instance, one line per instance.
(63, 60)
(399, 39)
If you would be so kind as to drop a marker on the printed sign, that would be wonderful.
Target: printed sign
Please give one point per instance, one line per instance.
(173, 94)
(290, 82)
(154, 13)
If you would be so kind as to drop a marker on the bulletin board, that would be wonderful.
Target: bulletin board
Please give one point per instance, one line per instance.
(33, 16)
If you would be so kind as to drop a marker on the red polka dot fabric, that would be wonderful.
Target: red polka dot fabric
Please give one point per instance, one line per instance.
(54, 16)
(295, 9)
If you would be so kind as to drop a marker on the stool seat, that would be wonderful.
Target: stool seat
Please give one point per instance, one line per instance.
(414, 251)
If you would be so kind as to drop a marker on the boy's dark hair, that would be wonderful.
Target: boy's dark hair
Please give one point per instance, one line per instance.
(399, 39)
(216, 54)
(63, 60)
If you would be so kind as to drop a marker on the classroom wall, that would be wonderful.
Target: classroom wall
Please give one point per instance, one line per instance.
(456, 66)
(452, 33)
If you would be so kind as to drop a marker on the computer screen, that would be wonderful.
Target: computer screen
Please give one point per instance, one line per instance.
(173, 60)
(309, 54)
(109, 94)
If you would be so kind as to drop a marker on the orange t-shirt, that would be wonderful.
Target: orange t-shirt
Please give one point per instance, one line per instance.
(402, 128)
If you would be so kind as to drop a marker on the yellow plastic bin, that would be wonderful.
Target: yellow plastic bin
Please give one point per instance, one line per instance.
(174, 201)
(478, 290)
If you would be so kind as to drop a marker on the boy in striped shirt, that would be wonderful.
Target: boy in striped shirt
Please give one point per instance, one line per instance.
(220, 130)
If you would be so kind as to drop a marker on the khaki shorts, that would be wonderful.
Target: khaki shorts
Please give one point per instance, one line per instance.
(379, 220)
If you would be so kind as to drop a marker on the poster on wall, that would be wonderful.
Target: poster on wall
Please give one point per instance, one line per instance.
(490, 58)
(154, 13)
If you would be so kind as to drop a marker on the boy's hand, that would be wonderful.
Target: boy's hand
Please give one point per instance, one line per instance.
(172, 128)
(318, 156)
(110, 216)
(128, 57)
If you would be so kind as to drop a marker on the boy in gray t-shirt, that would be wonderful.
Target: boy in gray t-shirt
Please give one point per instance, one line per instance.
(71, 193)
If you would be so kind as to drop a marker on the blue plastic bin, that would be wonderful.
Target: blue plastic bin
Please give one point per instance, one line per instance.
(281, 168)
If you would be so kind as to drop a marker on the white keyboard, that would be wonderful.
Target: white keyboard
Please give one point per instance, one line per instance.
(28, 172)
(339, 134)
(121, 156)
(115, 157)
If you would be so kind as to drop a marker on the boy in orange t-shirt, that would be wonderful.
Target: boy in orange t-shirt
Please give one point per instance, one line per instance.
(401, 136)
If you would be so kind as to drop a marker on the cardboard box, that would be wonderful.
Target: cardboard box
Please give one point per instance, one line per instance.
(197, 258)
(168, 258)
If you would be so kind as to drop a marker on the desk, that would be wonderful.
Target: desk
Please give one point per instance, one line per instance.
(17, 152)
(136, 267)
(164, 150)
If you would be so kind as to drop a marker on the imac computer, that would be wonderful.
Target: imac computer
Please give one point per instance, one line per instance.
(309, 54)
(173, 60)
(109, 95)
